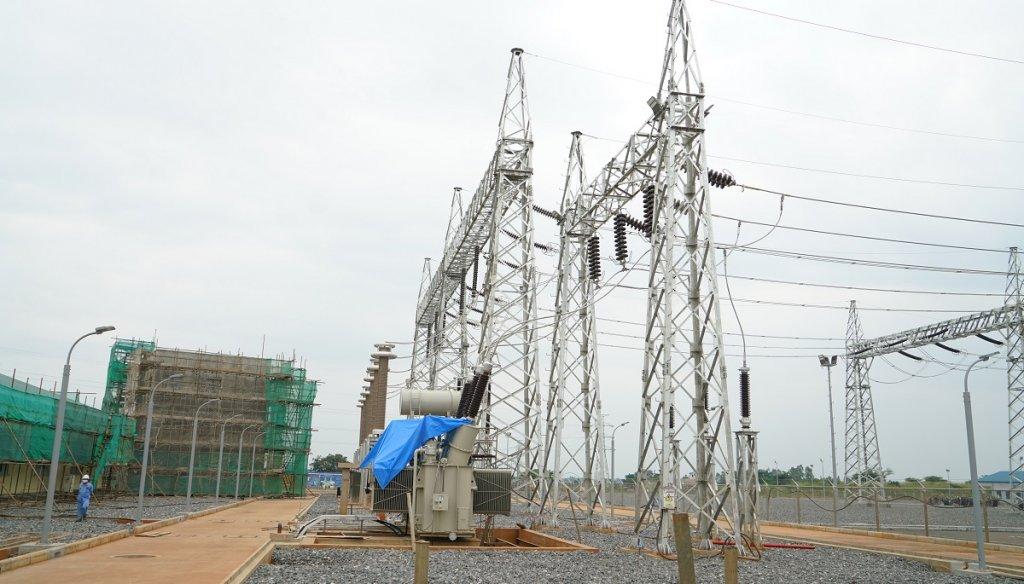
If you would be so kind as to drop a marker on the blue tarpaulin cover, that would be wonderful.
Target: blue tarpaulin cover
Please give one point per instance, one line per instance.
(395, 447)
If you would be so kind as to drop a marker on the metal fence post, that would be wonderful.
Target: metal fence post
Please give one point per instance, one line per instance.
(878, 521)
(924, 499)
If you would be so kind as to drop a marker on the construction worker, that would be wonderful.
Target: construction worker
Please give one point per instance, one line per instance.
(84, 496)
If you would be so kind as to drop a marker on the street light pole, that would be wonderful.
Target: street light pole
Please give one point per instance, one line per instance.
(58, 433)
(252, 461)
(145, 444)
(828, 363)
(614, 430)
(220, 456)
(238, 463)
(192, 452)
(975, 490)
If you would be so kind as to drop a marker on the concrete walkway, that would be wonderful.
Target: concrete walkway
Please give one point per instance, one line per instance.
(197, 551)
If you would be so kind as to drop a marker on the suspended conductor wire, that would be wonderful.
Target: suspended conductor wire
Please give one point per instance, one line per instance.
(866, 288)
(871, 176)
(870, 35)
(716, 96)
(882, 209)
(868, 124)
(867, 237)
(869, 263)
(739, 224)
(843, 260)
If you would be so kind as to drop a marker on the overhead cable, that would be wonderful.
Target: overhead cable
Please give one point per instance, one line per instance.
(858, 236)
(872, 176)
(865, 288)
(871, 35)
(718, 97)
(884, 209)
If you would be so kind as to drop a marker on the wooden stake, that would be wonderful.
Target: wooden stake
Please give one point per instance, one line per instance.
(422, 553)
(732, 569)
(684, 548)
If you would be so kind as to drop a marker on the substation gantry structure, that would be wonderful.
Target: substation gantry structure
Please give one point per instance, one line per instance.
(863, 461)
(483, 295)
(686, 454)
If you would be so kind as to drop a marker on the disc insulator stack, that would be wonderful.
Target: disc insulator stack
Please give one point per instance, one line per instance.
(619, 232)
(594, 257)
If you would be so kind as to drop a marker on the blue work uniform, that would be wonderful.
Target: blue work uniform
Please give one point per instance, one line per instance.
(84, 496)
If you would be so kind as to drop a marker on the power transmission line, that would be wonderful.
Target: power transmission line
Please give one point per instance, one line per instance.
(866, 237)
(868, 124)
(871, 176)
(883, 209)
(782, 110)
(865, 288)
(871, 35)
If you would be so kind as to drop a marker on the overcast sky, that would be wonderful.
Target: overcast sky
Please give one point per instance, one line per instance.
(210, 173)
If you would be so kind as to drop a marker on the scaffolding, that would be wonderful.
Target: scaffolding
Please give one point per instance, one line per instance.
(27, 414)
(262, 407)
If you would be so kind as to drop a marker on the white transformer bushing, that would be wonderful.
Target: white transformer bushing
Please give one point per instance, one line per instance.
(437, 402)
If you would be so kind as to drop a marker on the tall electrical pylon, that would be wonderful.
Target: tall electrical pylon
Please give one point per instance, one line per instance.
(685, 424)
(574, 398)
(1015, 376)
(864, 470)
(510, 413)
(450, 341)
(419, 367)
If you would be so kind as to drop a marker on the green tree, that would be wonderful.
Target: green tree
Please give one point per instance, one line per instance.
(933, 479)
(328, 463)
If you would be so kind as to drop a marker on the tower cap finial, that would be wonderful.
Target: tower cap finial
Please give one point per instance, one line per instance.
(517, 51)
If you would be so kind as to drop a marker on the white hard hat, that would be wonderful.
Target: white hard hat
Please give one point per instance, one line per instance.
(85, 477)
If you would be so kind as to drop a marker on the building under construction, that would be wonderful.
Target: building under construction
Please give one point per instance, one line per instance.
(259, 409)
(254, 417)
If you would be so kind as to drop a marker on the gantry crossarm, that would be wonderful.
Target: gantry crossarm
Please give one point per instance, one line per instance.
(940, 332)
(628, 173)
(461, 251)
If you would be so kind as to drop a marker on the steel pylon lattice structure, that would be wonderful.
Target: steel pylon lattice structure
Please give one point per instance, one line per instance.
(419, 371)
(448, 355)
(1015, 374)
(863, 460)
(685, 437)
(574, 398)
(508, 325)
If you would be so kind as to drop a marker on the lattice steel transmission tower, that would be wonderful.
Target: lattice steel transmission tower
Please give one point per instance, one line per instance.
(508, 327)
(419, 366)
(574, 398)
(684, 350)
(863, 458)
(450, 341)
(1015, 375)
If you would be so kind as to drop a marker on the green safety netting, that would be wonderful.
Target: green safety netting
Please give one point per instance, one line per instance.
(105, 442)
(27, 428)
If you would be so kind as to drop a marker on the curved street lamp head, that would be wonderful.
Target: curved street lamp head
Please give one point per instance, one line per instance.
(103, 329)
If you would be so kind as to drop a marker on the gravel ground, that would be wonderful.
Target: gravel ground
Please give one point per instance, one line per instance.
(904, 516)
(326, 504)
(611, 564)
(22, 520)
